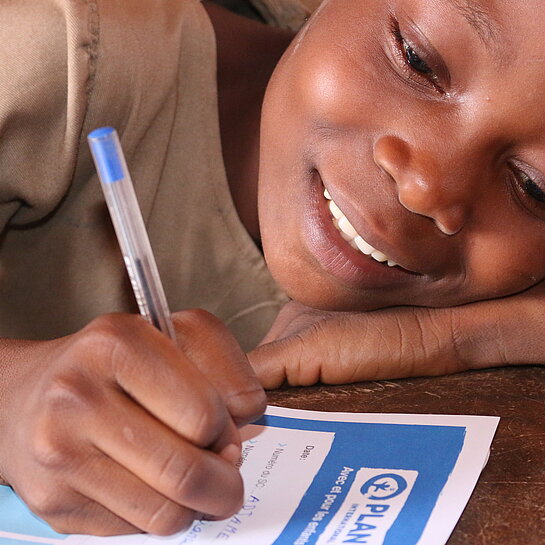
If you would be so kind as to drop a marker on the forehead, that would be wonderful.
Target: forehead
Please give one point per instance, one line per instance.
(497, 42)
(500, 25)
(504, 33)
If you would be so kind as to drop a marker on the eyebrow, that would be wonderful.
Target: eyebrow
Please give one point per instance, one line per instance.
(481, 20)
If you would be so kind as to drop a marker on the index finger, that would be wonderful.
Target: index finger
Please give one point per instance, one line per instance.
(352, 347)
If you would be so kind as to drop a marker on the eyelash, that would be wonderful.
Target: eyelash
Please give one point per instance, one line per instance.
(530, 188)
(413, 62)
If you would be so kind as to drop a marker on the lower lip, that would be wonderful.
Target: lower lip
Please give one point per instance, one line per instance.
(335, 255)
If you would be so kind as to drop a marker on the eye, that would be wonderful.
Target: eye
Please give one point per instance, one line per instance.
(413, 61)
(530, 188)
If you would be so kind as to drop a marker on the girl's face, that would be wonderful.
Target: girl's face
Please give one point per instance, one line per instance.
(425, 122)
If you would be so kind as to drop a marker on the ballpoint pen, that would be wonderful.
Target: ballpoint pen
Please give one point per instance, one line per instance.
(129, 227)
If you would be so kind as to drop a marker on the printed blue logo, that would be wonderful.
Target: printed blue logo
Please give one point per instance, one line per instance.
(384, 487)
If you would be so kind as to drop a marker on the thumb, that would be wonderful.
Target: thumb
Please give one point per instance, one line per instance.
(351, 347)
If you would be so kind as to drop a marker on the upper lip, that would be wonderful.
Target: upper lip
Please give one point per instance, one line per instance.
(362, 227)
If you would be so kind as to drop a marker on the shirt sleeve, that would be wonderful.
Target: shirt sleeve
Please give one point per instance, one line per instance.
(45, 62)
(68, 66)
(289, 14)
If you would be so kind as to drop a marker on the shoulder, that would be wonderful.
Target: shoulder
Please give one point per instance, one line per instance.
(68, 66)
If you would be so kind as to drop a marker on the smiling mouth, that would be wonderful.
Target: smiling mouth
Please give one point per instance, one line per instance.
(350, 234)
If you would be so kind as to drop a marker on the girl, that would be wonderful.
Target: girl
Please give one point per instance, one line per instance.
(396, 169)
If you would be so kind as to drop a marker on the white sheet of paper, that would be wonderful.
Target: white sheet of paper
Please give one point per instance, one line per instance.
(326, 478)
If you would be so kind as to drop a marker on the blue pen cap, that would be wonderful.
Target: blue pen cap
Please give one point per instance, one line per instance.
(106, 150)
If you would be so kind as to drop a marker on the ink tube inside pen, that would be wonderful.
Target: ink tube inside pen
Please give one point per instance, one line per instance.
(129, 227)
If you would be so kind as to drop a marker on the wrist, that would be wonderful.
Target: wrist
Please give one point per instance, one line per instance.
(19, 360)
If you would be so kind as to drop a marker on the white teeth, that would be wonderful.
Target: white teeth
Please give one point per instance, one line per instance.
(351, 235)
(367, 249)
(346, 227)
(335, 210)
(379, 256)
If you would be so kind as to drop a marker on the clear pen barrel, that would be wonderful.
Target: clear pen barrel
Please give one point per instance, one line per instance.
(129, 227)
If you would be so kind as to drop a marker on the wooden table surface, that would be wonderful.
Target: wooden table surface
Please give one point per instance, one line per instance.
(508, 504)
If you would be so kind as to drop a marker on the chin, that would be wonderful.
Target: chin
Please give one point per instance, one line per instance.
(313, 288)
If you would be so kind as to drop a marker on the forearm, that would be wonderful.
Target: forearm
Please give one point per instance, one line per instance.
(306, 346)
(508, 331)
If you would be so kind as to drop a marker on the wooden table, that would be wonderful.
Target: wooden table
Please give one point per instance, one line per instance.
(508, 504)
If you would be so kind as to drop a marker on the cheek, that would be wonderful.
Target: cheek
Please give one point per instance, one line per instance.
(318, 96)
(504, 263)
(333, 77)
(337, 93)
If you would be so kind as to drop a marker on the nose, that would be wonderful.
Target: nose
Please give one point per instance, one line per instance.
(425, 183)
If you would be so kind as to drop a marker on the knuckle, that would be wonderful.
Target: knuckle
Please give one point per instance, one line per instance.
(204, 421)
(46, 505)
(76, 517)
(451, 325)
(101, 331)
(47, 450)
(186, 481)
(68, 392)
(62, 526)
(110, 340)
(484, 340)
(251, 404)
(434, 346)
(315, 366)
(167, 519)
(66, 521)
(302, 371)
(94, 345)
(440, 343)
(195, 321)
(245, 399)
(180, 475)
(107, 332)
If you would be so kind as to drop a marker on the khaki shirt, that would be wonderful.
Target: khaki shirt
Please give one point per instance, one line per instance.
(146, 67)
(290, 14)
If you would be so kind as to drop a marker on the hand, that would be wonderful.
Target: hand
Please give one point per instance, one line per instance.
(306, 346)
(116, 430)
